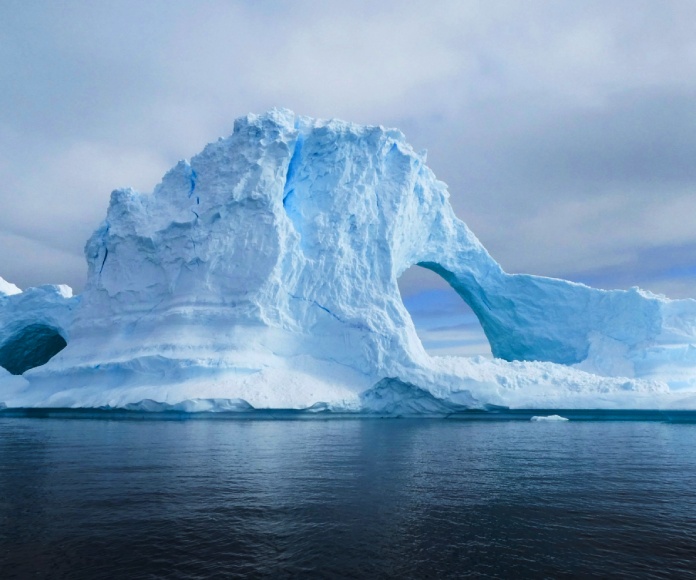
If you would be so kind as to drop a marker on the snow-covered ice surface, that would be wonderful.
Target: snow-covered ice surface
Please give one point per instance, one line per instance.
(263, 272)
(7, 289)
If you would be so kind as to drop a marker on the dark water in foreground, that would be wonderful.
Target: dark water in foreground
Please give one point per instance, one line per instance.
(369, 498)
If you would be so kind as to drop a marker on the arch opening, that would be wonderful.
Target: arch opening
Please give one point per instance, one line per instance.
(31, 347)
(445, 323)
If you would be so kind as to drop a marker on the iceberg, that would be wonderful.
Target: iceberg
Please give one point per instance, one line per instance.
(263, 273)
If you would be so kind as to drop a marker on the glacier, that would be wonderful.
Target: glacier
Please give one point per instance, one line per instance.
(263, 273)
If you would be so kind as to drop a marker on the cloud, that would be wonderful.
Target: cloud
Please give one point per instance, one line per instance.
(565, 131)
(47, 262)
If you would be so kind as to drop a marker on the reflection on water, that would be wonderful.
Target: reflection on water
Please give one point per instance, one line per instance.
(366, 498)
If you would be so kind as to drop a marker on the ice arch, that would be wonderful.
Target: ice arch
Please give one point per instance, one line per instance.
(266, 269)
(32, 346)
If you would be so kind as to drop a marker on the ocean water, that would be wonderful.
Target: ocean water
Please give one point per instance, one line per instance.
(115, 497)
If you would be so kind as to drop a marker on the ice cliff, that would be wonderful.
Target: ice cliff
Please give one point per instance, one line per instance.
(264, 273)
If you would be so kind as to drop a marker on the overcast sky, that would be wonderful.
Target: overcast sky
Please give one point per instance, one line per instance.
(566, 131)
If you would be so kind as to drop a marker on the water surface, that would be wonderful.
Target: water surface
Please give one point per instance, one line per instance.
(419, 498)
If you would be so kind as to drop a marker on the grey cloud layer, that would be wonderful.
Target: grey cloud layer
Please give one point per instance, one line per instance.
(566, 132)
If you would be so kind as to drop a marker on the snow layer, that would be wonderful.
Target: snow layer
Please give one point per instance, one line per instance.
(8, 289)
(264, 270)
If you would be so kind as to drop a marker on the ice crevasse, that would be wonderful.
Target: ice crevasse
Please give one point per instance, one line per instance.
(263, 273)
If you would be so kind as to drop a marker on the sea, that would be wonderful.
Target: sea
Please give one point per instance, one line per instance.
(282, 495)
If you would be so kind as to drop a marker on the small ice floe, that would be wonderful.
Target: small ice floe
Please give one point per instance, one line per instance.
(548, 418)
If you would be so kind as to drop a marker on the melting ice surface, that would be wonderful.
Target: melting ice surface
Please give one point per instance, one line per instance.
(263, 274)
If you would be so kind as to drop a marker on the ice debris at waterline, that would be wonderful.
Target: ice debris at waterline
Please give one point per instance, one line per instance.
(263, 272)
(548, 419)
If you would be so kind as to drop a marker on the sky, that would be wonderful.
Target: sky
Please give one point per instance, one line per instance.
(566, 131)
